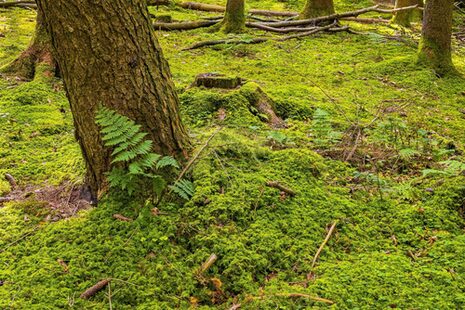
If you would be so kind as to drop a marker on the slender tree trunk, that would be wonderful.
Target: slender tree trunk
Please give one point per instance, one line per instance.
(404, 18)
(36, 60)
(108, 55)
(435, 45)
(317, 8)
(234, 17)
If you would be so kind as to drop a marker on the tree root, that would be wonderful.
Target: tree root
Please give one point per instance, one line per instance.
(313, 30)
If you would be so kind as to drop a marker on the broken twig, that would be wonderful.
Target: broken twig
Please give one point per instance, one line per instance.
(277, 185)
(95, 289)
(330, 232)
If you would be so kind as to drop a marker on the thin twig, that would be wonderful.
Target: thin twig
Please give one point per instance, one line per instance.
(330, 232)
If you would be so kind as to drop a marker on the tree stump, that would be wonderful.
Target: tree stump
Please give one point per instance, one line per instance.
(215, 80)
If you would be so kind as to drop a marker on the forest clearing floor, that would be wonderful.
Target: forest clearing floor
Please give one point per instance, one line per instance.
(373, 142)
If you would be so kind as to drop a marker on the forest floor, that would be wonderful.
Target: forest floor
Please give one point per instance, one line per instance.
(374, 143)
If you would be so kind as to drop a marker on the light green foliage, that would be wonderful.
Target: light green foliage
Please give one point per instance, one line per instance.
(323, 133)
(399, 241)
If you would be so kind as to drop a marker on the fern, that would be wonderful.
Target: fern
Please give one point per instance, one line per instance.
(323, 133)
(132, 153)
(184, 188)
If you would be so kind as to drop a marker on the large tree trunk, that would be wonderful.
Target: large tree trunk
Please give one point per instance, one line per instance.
(404, 18)
(234, 17)
(36, 60)
(435, 45)
(317, 8)
(108, 55)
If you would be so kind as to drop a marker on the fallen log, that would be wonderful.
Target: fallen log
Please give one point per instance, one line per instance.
(21, 4)
(184, 25)
(158, 2)
(278, 30)
(202, 7)
(218, 8)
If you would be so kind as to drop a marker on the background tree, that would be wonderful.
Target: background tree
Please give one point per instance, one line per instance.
(234, 17)
(108, 55)
(404, 18)
(435, 45)
(37, 56)
(316, 8)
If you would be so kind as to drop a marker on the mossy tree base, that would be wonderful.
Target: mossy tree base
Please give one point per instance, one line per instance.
(317, 8)
(36, 58)
(234, 18)
(405, 18)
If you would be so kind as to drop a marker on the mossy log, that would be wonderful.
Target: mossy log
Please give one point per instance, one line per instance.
(184, 25)
(18, 4)
(214, 80)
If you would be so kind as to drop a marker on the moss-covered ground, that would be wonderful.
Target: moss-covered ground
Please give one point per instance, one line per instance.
(373, 142)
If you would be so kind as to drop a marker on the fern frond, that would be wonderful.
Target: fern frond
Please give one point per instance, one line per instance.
(167, 161)
(184, 188)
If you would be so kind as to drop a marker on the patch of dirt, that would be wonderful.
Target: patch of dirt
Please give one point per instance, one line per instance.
(63, 201)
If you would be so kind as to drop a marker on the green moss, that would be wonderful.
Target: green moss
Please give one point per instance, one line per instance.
(265, 241)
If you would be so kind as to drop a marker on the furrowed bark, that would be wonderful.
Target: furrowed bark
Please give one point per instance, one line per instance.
(109, 56)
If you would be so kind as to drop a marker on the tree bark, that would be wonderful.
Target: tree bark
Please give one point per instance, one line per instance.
(36, 60)
(435, 44)
(108, 55)
(317, 8)
(404, 18)
(234, 17)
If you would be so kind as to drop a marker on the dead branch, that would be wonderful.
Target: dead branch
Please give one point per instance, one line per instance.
(158, 2)
(202, 7)
(185, 25)
(277, 185)
(278, 30)
(6, 199)
(330, 28)
(366, 20)
(11, 180)
(122, 218)
(293, 295)
(336, 16)
(218, 8)
(20, 4)
(95, 289)
(330, 232)
(208, 263)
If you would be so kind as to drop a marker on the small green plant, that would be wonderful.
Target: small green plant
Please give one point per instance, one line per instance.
(323, 133)
(136, 168)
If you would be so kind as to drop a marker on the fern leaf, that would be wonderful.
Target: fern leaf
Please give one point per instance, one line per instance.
(167, 161)
(184, 188)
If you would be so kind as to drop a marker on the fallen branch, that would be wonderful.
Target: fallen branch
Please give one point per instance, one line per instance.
(218, 8)
(202, 7)
(336, 16)
(315, 298)
(158, 2)
(330, 28)
(185, 25)
(330, 232)
(11, 180)
(208, 263)
(122, 218)
(20, 4)
(95, 289)
(277, 185)
(278, 30)
(366, 20)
